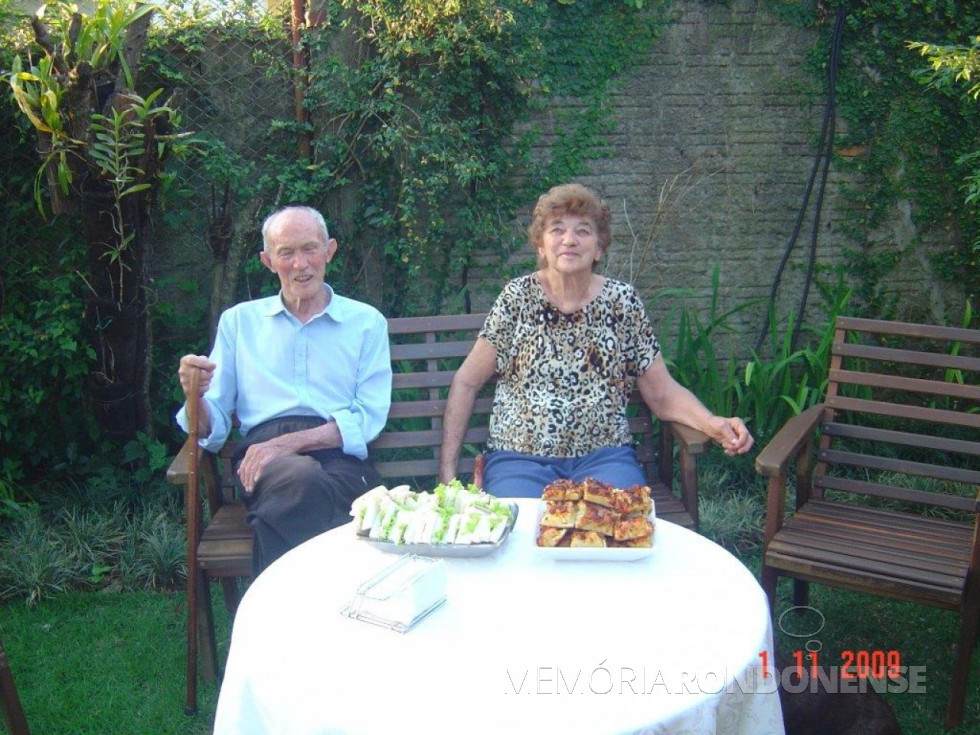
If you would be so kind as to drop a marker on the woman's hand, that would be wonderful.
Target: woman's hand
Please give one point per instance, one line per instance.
(731, 433)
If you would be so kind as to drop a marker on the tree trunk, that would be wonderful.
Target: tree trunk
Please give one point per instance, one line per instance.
(240, 239)
(116, 314)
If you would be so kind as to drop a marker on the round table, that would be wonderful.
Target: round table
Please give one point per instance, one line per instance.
(678, 641)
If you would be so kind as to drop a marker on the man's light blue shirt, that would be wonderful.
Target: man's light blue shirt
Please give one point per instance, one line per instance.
(270, 365)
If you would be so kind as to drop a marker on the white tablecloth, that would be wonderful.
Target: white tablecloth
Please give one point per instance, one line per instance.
(672, 643)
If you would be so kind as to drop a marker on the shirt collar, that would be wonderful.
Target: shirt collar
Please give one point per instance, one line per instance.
(334, 309)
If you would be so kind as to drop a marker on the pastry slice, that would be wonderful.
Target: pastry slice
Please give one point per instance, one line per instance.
(560, 514)
(644, 542)
(552, 536)
(631, 528)
(633, 500)
(587, 538)
(600, 493)
(562, 490)
(592, 517)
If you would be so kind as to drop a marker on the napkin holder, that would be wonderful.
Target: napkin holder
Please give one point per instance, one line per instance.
(401, 594)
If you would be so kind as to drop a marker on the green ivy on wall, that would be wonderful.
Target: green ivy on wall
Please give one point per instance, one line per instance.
(414, 134)
(907, 143)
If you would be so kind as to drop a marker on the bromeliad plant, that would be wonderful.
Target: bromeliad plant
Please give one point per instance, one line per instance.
(83, 79)
(102, 147)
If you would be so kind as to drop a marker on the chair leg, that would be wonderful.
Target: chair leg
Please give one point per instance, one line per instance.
(769, 580)
(801, 593)
(207, 646)
(13, 715)
(961, 668)
(232, 595)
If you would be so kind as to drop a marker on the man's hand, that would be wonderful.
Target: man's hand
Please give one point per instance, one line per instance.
(190, 363)
(732, 434)
(257, 457)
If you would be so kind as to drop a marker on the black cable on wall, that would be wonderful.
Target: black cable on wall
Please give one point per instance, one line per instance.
(824, 154)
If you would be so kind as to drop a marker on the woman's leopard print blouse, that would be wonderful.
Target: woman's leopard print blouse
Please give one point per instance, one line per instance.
(564, 379)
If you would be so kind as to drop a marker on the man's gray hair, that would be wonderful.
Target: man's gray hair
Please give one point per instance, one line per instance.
(271, 220)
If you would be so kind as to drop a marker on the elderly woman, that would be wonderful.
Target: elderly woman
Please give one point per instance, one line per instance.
(568, 346)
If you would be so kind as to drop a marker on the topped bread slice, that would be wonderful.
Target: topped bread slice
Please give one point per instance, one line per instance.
(562, 490)
(600, 493)
(560, 514)
(592, 517)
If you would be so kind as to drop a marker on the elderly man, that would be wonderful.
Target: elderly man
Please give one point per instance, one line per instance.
(308, 374)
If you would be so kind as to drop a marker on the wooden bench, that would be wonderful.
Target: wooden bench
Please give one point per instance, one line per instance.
(425, 352)
(886, 501)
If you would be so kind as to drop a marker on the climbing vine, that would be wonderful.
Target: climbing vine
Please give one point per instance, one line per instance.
(413, 131)
(907, 144)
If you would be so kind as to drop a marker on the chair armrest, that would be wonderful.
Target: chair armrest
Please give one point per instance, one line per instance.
(793, 441)
(177, 471)
(774, 459)
(691, 440)
(691, 443)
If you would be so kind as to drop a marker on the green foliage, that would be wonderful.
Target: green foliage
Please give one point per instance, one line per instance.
(34, 562)
(57, 94)
(45, 359)
(98, 540)
(950, 65)
(914, 144)
(420, 130)
(770, 387)
(734, 521)
(155, 553)
(952, 68)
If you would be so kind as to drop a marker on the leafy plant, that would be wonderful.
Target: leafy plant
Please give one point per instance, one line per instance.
(906, 151)
(155, 555)
(953, 66)
(33, 562)
(102, 151)
(770, 387)
(88, 52)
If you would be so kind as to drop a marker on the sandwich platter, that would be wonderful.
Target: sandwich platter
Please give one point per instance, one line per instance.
(454, 520)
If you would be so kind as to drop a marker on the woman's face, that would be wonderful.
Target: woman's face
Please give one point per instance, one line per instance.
(570, 245)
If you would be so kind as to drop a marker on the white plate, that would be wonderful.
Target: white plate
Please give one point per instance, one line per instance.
(591, 553)
(446, 550)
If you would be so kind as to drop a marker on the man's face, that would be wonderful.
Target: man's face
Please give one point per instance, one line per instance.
(299, 256)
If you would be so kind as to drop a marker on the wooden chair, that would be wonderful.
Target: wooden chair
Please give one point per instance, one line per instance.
(886, 502)
(425, 352)
(13, 714)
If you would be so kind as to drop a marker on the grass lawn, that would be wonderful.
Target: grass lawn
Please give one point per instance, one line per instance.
(103, 663)
(113, 662)
(923, 637)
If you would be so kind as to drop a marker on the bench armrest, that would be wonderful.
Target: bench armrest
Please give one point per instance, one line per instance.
(177, 471)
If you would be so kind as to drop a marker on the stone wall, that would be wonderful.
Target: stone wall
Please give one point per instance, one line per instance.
(715, 140)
